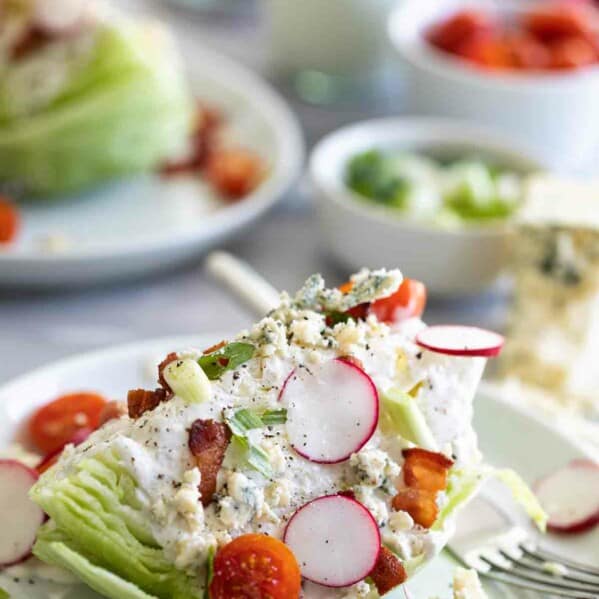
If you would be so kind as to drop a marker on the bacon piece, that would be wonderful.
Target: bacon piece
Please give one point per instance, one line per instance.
(234, 172)
(33, 39)
(425, 470)
(213, 348)
(140, 401)
(208, 441)
(203, 141)
(111, 411)
(388, 572)
(170, 358)
(420, 504)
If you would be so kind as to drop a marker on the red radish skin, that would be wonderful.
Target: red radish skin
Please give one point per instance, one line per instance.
(324, 534)
(284, 385)
(20, 518)
(570, 496)
(457, 340)
(321, 425)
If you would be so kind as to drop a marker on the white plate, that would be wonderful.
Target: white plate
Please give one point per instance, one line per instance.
(146, 223)
(507, 437)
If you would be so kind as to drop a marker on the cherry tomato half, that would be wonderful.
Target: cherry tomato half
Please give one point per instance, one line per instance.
(408, 301)
(9, 221)
(255, 566)
(56, 423)
(459, 28)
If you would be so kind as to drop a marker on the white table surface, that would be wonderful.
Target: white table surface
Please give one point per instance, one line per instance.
(39, 328)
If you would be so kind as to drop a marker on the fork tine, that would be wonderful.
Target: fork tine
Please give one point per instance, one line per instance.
(532, 586)
(542, 555)
(544, 580)
(522, 563)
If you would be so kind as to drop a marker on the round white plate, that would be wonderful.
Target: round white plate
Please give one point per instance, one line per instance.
(507, 436)
(148, 223)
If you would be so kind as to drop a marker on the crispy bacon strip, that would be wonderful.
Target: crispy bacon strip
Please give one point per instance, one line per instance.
(419, 503)
(388, 572)
(426, 470)
(170, 358)
(208, 441)
(140, 401)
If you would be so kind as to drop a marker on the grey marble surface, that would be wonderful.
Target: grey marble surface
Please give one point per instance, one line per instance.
(284, 246)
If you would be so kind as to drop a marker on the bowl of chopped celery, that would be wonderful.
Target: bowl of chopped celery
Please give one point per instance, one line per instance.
(439, 193)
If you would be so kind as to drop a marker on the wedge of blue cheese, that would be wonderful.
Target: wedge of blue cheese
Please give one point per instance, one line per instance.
(553, 337)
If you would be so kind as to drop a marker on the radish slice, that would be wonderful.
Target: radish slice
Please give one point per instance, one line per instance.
(335, 540)
(332, 411)
(570, 497)
(57, 17)
(19, 516)
(456, 340)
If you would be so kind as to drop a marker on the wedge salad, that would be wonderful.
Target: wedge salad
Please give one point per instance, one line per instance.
(86, 95)
(323, 453)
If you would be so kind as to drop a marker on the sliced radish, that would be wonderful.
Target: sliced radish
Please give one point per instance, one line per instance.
(19, 516)
(335, 540)
(457, 340)
(57, 17)
(332, 410)
(570, 497)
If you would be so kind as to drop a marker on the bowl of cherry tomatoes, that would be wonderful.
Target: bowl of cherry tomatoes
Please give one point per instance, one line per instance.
(530, 69)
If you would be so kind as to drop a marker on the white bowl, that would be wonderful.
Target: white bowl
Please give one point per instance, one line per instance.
(558, 114)
(451, 262)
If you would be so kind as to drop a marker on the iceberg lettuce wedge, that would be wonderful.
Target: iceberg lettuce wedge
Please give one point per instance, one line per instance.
(125, 112)
(96, 528)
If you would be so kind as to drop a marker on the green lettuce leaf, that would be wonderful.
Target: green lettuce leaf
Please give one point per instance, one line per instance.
(465, 483)
(125, 112)
(400, 414)
(97, 526)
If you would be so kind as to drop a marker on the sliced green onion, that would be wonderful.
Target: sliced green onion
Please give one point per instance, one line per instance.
(228, 358)
(187, 380)
(274, 417)
(255, 456)
(242, 421)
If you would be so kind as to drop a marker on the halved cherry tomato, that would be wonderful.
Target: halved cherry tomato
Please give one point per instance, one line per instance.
(527, 52)
(234, 172)
(255, 566)
(573, 53)
(9, 221)
(408, 301)
(55, 424)
(487, 50)
(557, 21)
(49, 460)
(457, 29)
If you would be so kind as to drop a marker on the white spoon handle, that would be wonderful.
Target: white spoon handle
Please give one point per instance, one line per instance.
(243, 281)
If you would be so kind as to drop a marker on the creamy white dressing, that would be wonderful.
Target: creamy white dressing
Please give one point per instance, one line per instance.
(154, 448)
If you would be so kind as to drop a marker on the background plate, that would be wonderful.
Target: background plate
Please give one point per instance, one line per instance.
(507, 436)
(147, 223)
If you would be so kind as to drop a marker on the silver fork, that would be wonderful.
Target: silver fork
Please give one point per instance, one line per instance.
(487, 541)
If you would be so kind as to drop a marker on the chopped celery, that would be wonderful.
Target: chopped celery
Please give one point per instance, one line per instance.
(187, 379)
(400, 414)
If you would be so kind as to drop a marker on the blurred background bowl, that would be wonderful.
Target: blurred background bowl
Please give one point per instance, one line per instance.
(453, 262)
(558, 114)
